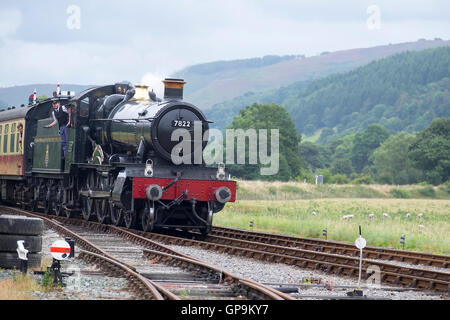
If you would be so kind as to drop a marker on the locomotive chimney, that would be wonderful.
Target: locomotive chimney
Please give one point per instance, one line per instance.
(173, 89)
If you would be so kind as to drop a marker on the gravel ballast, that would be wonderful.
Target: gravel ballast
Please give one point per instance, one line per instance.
(289, 276)
(87, 283)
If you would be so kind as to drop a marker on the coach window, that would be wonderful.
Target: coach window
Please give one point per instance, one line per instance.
(5, 139)
(1, 132)
(13, 137)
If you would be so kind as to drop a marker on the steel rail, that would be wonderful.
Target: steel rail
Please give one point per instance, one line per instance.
(55, 223)
(158, 248)
(251, 288)
(412, 257)
(137, 280)
(329, 263)
(143, 286)
(317, 255)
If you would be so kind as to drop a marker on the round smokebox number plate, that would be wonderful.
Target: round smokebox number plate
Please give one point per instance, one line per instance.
(173, 120)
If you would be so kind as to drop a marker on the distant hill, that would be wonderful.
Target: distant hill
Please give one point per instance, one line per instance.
(216, 82)
(219, 81)
(233, 65)
(402, 92)
(15, 96)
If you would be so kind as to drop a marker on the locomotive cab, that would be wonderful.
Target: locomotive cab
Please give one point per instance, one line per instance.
(46, 153)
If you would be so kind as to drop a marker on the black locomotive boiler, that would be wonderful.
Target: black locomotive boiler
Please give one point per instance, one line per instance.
(119, 162)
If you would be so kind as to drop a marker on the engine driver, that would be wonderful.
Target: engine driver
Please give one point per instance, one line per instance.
(61, 116)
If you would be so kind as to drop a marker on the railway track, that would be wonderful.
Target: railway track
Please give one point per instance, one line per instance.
(287, 250)
(153, 271)
(341, 265)
(335, 247)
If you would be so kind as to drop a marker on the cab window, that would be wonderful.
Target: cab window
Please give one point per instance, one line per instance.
(84, 107)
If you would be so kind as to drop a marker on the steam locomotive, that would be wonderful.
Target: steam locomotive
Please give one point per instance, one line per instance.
(121, 164)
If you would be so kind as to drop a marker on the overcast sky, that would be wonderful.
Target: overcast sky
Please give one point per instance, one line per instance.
(100, 42)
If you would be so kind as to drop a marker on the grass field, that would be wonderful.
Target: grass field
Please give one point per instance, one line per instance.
(292, 216)
(276, 190)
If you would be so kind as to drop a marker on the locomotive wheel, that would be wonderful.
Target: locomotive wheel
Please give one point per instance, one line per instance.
(48, 202)
(205, 231)
(147, 219)
(68, 213)
(87, 204)
(116, 215)
(87, 208)
(23, 203)
(102, 210)
(59, 210)
(33, 205)
(37, 199)
(129, 217)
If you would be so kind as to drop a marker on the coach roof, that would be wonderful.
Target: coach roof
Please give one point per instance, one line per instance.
(15, 113)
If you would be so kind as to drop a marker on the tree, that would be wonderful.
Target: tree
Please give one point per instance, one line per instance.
(42, 97)
(314, 155)
(325, 134)
(342, 166)
(342, 148)
(430, 151)
(392, 163)
(270, 116)
(339, 179)
(365, 143)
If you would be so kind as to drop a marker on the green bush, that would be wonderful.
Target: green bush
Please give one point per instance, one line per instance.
(363, 180)
(445, 187)
(291, 189)
(385, 179)
(398, 193)
(427, 192)
(47, 280)
(272, 191)
(339, 179)
(305, 176)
